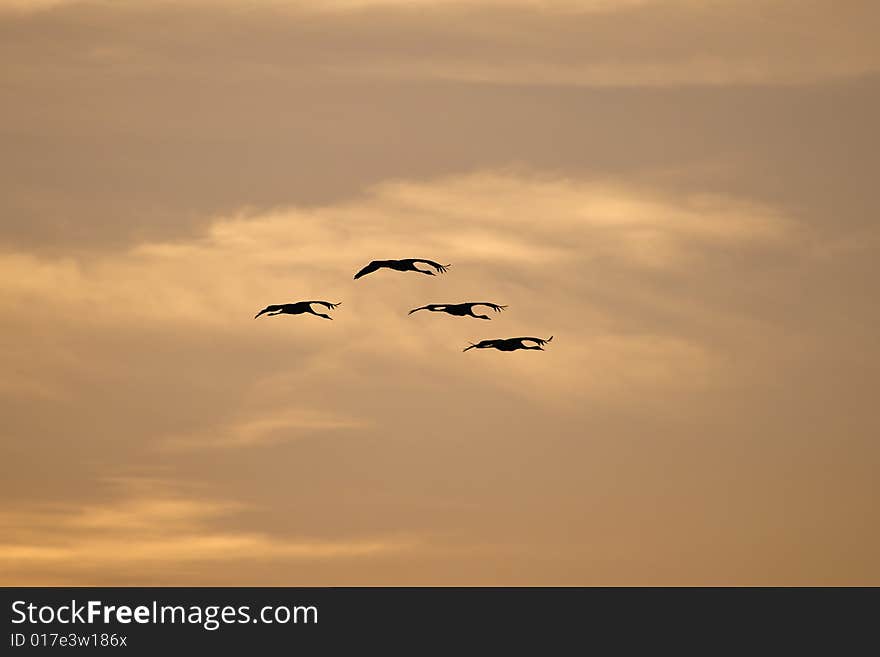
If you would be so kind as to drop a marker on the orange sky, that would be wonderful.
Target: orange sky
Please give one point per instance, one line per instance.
(683, 193)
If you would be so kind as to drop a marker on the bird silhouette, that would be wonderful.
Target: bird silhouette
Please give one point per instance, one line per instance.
(510, 344)
(402, 265)
(460, 309)
(297, 308)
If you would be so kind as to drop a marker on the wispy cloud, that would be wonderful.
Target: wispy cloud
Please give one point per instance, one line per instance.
(509, 233)
(147, 534)
(682, 192)
(562, 42)
(486, 218)
(264, 428)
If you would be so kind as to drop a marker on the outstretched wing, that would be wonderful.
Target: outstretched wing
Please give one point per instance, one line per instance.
(326, 304)
(541, 341)
(370, 268)
(441, 269)
(268, 309)
(493, 306)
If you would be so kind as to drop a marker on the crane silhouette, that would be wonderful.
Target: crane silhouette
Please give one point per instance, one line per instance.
(510, 344)
(403, 265)
(297, 308)
(460, 309)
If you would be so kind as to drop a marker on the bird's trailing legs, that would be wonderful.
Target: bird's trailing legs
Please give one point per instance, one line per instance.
(442, 269)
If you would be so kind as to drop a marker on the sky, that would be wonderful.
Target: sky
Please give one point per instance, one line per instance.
(681, 192)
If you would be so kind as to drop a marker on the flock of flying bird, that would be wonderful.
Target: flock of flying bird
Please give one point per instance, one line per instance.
(465, 309)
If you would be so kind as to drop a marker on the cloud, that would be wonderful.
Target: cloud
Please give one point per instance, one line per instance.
(143, 121)
(683, 193)
(370, 449)
(600, 43)
(485, 219)
(344, 5)
(30, 5)
(544, 244)
(537, 224)
(151, 533)
(264, 428)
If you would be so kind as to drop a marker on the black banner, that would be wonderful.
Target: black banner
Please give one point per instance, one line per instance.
(414, 620)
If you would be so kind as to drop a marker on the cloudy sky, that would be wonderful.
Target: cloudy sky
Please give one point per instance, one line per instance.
(682, 192)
